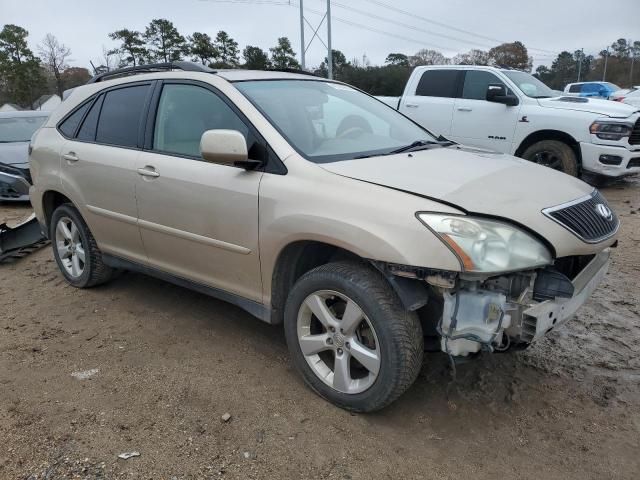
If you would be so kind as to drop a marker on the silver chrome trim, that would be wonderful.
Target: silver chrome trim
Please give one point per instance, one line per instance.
(549, 210)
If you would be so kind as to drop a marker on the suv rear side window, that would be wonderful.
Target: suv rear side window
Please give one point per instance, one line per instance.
(438, 83)
(476, 83)
(575, 88)
(185, 112)
(120, 116)
(70, 125)
(88, 129)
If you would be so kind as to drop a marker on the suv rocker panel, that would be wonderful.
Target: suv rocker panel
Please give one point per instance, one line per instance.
(254, 308)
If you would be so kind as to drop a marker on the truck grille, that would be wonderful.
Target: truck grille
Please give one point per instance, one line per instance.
(634, 138)
(590, 219)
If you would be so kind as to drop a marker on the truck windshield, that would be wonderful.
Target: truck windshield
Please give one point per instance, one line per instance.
(328, 122)
(529, 85)
(19, 129)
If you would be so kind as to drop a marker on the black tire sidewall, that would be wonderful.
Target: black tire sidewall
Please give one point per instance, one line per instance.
(67, 210)
(379, 394)
(561, 149)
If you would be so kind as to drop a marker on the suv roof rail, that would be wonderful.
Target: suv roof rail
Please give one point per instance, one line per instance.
(151, 67)
(293, 70)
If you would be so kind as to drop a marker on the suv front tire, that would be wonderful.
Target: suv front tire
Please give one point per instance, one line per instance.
(351, 338)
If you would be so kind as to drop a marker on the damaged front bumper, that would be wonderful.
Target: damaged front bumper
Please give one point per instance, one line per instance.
(500, 312)
(541, 318)
(14, 183)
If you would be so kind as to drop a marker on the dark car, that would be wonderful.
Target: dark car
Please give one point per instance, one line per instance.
(16, 129)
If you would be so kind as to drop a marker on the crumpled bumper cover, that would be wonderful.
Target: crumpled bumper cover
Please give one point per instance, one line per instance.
(543, 317)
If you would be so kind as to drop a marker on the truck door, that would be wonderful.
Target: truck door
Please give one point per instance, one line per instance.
(430, 98)
(480, 123)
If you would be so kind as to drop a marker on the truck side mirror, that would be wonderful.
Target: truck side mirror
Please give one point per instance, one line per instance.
(497, 93)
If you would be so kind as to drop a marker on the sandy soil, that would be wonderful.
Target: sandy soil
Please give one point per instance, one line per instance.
(168, 363)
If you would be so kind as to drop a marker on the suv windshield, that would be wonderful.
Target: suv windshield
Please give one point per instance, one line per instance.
(529, 85)
(328, 122)
(19, 129)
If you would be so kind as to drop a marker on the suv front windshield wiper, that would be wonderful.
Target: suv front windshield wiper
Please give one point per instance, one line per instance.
(422, 145)
(413, 147)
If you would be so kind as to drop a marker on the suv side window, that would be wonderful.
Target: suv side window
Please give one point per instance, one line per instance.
(70, 124)
(120, 116)
(438, 83)
(476, 83)
(185, 112)
(87, 131)
(575, 88)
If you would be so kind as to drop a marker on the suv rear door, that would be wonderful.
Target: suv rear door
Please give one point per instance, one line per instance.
(198, 220)
(430, 97)
(104, 137)
(481, 123)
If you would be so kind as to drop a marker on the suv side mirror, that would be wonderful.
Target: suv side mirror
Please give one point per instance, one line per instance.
(224, 146)
(497, 93)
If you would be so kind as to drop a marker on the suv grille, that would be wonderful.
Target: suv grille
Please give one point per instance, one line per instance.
(590, 219)
(634, 138)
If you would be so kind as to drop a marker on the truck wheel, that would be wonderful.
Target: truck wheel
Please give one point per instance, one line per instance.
(351, 338)
(553, 154)
(75, 250)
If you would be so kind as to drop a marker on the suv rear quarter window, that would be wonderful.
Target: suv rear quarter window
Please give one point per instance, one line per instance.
(120, 116)
(576, 88)
(438, 83)
(69, 126)
(87, 131)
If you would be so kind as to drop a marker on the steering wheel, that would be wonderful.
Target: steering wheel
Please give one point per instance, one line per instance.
(352, 132)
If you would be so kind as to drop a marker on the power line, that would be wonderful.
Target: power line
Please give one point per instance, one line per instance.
(377, 30)
(356, 24)
(444, 25)
(411, 27)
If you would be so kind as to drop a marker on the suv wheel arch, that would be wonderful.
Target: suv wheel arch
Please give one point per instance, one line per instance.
(300, 257)
(52, 199)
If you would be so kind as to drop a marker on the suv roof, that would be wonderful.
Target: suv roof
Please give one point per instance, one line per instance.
(230, 75)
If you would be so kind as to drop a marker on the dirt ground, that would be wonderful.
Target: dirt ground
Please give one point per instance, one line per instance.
(168, 363)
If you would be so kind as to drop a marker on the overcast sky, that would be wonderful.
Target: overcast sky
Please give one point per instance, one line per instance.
(548, 26)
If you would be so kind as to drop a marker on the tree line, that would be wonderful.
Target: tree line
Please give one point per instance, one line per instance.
(25, 75)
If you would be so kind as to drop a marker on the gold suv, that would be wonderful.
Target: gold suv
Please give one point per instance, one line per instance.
(306, 201)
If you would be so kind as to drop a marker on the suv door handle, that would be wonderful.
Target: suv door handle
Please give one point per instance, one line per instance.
(464, 109)
(411, 105)
(148, 171)
(70, 157)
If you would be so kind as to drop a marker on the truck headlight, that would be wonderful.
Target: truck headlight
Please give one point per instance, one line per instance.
(610, 130)
(487, 246)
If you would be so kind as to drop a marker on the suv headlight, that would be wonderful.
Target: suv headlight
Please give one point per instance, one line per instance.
(610, 130)
(487, 246)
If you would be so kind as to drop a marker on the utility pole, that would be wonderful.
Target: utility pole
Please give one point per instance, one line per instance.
(606, 57)
(302, 45)
(580, 57)
(330, 51)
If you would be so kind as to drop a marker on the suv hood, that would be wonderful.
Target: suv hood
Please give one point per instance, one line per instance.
(476, 181)
(591, 105)
(15, 154)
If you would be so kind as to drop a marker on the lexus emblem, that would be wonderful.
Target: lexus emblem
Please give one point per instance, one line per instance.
(604, 211)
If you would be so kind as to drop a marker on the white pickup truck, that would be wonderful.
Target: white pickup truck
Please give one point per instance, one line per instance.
(513, 112)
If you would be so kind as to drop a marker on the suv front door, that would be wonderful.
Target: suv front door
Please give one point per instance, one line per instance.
(481, 123)
(198, 220)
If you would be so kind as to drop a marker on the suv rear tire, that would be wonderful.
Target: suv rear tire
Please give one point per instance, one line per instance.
(345, 317)
(553, 154)
(75, 250)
